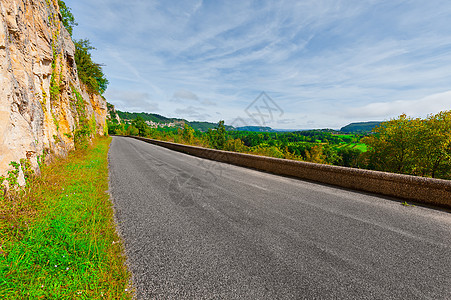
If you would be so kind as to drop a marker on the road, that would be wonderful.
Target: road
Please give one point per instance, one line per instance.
(198, 229)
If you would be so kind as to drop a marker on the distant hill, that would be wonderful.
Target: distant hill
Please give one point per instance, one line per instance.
(201, 126)
(255, 128)
(289, 130)
(146, 116)
(360, 126)
(204, 126)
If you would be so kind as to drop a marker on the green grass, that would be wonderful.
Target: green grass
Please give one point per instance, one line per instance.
(361, 146)
(58, 237)
(345, 135)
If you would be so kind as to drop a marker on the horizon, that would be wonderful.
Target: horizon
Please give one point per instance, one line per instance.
(324, 65)
(274, 129)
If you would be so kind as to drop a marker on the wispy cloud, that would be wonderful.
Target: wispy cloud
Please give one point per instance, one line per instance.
(131, 101)
(325, 63)
(415, 108)
(185, 96)
(192, 113)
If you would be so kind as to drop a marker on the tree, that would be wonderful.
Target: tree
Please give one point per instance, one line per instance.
(132, 130)
(141, 126)
(390, 145)
(270, 151)
(218, 137)
(67, 17)
(315, 155)
(235, 145)
(349, 157)
(330, 154)
(433, 146)
(412, 146)
(188, 134)
(89, 72)
(114, 127)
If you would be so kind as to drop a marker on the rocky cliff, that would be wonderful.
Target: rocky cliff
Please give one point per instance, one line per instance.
(112, 114)
(43, 105)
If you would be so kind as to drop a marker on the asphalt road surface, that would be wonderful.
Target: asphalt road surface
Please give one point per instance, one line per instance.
(198, 229)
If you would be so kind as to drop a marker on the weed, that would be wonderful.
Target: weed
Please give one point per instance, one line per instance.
(26, 169)
(13, 175)
(56, 139)
(55, 121)
(41, 159)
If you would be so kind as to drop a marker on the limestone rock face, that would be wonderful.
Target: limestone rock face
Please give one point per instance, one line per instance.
(112, 114)
(42, 102)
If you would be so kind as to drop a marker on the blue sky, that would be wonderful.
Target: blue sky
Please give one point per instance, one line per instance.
(323, 63)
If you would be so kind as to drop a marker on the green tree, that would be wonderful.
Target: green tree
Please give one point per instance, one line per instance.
(390, 147)
(188, 134)
(132, 130)
(349, 157)
(218, 137)
(315, 155)
(114, 127)
(412, 146)
(140, 124)
(89, 72)
(331, 155)
(67, 17)
(433, 146)
(235, 145)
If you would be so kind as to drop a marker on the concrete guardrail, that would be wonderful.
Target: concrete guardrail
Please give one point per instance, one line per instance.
(431, 191)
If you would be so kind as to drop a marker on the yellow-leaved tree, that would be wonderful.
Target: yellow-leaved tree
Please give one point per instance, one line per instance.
(412, 146)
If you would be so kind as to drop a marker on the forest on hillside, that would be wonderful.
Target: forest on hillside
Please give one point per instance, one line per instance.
(156, 118)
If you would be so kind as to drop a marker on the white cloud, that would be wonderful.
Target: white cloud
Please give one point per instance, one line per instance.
(286, 121)
(184, 94)
(330, 62)
(192, 113)
(415, 108)
(187, 96)
(131, 101)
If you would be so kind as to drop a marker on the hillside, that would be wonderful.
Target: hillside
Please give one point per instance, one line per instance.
(146, 116)
(204, 126)
(156, 118)
(255, 128)
(360, 127)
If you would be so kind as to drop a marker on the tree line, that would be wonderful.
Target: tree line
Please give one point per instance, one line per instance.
(412, 146)
(404, 145)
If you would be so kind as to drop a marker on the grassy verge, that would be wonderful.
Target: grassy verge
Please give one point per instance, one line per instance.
(58, 237)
